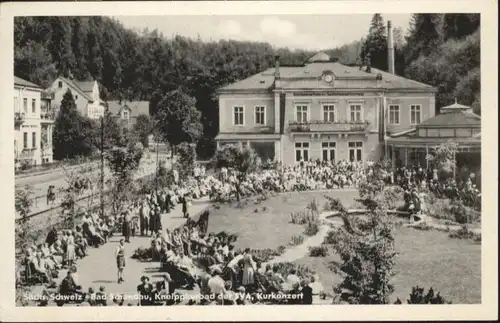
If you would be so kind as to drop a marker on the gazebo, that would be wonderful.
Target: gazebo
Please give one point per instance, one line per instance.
(456, 123)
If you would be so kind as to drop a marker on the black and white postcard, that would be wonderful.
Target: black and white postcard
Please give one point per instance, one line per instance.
(258, 155)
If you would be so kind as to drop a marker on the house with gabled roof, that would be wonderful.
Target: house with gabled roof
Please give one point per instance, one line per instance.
(126, 112)
(85, 93)
(322, 110)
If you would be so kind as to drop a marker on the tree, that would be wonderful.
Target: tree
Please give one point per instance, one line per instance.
(34, 63)
(375, 43)
(60, 45)
(468, 90)
(424, 36)
(123, 163)
(366, 248)
(77, 184)
(398, 38)
(72, 132)
(450, 67)
(23, 204)
(23, 201)
(187, 159)
(443, 158)
(144, 128)
(240, 158)
(178, 118)
(456, 26)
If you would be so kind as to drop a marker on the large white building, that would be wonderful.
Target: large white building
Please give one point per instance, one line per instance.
(33, 125)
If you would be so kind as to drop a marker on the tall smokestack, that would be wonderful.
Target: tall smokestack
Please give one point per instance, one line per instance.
(277, 67)
(390, 48)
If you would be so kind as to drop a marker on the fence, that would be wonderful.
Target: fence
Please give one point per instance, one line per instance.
(28, 169)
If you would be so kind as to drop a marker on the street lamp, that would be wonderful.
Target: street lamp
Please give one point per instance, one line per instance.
(102, 165)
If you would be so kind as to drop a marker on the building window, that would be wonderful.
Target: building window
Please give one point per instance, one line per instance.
(301, 115)
(356, 113)
(301, 151)
(329, 113)
(25, 140)
(125, 115)
(33, 139)
(328, 151)
(415, 114)
(33, 105)
(76, 97)
(60, 84)
(260, 115)
(238, 119)
(25, 105)
(393, 114)
(356, 151)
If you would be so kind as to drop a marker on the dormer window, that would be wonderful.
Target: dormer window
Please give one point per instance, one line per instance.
(125, 115)
(60, 84)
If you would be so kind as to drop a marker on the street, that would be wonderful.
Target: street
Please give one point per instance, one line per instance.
(41, 182)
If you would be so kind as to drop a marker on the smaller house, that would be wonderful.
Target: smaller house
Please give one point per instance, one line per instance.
(128, 111)
(456, 123)
(85, 93)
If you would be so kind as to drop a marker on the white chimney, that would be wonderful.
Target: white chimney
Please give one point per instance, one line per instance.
(390, 48)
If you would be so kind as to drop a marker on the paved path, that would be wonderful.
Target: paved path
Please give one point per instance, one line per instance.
(99, 267)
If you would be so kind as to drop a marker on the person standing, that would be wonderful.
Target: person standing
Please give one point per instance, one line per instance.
(248, 270)
(126, 226)
(184, 206)
(70, 250)
(120, 260)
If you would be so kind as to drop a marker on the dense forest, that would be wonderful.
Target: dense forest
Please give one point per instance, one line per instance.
(440, 50)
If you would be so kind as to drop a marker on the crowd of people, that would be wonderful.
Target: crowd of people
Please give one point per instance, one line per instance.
(416, 182)
(227, 273)
(310, 175)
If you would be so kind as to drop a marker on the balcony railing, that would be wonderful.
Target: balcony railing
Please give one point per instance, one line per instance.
(47, 95)
(47, 115)
(27, 153)
(328, 126)
(18, 118)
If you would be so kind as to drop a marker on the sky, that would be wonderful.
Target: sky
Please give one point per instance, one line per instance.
(310, 32)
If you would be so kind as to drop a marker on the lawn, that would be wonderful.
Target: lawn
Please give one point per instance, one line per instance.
(427, 259)
(270, 226)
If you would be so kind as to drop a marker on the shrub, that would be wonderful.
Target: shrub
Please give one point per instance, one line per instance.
(312, 228)
(142, 254)
(392, 197)
(318, 251)
(297, 240)
(304, 217)
(264, 255)
(418, 296)
(465, 233)
(264, 209)
(463, 214)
